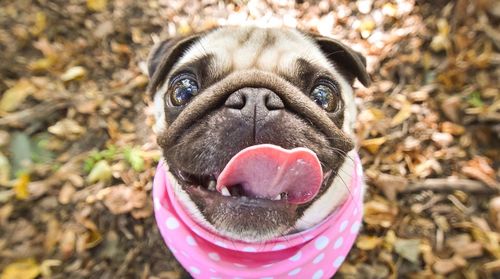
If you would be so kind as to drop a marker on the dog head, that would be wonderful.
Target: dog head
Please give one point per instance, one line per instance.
(220, 92)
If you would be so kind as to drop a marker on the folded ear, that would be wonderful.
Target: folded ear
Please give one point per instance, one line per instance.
(351, 63)
(163, 57)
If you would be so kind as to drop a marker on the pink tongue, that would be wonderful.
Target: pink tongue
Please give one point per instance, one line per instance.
(266, 170)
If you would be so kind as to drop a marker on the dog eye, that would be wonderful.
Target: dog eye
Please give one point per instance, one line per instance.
(327, 97)
(183, 89)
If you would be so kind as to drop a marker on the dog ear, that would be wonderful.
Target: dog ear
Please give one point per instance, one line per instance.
(351, 63)
(163, 57)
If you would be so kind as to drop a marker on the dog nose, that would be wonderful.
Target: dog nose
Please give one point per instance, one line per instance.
(254, 102)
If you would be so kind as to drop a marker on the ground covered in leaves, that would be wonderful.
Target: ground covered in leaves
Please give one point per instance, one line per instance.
(77, 154)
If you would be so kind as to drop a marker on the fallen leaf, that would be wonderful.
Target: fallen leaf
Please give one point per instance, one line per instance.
(21, 269)
(480, 168)
(13, 97)
(390, 185)
(452, 128)
(40, 23)
(20, 152)
(408, 249)
(66, 193)
(368, 242)
(134, 158)
(373, 145)
(21, 186)
(381, 213)
(52, 235)
(4, 169)
(67, 243)
(470, 250)
(46, 265)
(97, 5)
(442, 139)
(67, 128)
(446, 266)
(122, 199)
(73, 73)
(100, 172)
(495, 211)
(403, 114)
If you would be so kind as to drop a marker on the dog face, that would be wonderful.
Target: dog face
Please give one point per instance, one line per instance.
(219, 92)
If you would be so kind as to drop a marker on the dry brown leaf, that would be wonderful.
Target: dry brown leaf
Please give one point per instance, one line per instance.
(66, 193)
(368, 243)
(480, 168)
(97, 5)
(403, 114)
(73, 73)
(13, 97)
(22, 269)
(21, 186)
(380, 213)
(122, 199)
(446, 266)
(373, 145)
(67, 128)
(390, 185)
(495, 211)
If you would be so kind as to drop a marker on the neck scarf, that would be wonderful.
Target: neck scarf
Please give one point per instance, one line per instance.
(314, 253)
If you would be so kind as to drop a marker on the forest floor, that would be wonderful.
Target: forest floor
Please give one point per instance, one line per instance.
(77, 154)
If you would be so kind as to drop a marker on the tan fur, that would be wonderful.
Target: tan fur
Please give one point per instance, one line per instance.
(253, 56)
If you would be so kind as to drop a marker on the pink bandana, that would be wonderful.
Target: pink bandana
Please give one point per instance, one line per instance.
(315, 253)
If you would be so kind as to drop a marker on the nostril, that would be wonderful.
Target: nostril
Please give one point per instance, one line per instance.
(273, 102)
(236, 101)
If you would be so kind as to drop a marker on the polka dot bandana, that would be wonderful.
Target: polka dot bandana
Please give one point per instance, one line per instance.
(315, 253)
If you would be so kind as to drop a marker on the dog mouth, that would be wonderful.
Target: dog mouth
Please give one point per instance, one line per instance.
(263, 172)
(259, 194)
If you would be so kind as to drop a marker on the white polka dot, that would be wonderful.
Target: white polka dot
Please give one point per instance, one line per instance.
(279, 247)
(296, 257)
(321, 242)
(190, 240)
(318, 274)
(319, 258)
(355, 227)
(172, 223)
(194, 270)
(249, 249)
(338, 261)
(157, 203)
(214, 256)
(294, 272)
(343, 225)
(338, 243)
(221, 244)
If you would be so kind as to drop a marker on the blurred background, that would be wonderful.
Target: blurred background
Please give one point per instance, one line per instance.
(77, 154)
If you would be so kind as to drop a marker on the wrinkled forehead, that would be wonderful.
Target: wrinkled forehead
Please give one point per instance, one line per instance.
(271, 50)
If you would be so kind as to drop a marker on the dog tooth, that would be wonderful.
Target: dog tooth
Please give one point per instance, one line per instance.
(211, 185)
(277, 198)
(225, 192)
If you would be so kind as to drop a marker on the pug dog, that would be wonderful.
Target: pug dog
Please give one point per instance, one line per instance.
(256, 129)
